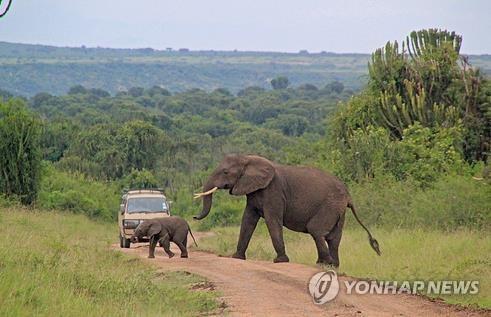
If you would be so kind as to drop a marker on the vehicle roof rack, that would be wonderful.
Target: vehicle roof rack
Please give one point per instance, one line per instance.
(139, 190)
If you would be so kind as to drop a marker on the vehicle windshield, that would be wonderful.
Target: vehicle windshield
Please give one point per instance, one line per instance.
(147, 204)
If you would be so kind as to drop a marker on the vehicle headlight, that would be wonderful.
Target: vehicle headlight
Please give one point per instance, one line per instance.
(130, 223)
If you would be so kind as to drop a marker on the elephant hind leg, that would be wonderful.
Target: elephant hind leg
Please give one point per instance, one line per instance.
(183, 248)
(165, 243)
(319, 234)
(334, 239)
(323, 256)
(321, 227)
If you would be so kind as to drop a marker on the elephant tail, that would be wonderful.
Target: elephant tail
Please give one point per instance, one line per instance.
(189, 228)
(373, 242)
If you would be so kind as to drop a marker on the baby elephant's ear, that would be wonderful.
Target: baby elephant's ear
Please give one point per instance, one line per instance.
(155, 228)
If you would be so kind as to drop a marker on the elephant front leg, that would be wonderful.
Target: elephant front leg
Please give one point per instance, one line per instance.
(275, 228)
(247, 227)
(151, 248)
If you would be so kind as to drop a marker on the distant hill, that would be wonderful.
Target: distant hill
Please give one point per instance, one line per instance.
(27, 69)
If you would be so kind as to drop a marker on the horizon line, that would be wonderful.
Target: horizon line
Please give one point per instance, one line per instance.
(189, 50)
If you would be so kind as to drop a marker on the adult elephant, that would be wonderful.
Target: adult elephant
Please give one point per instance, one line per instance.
(302, 199)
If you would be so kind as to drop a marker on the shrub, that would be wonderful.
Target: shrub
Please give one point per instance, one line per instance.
(426, 153)
(76, 193)
(364, 154)
(20, 154)
(423, 154)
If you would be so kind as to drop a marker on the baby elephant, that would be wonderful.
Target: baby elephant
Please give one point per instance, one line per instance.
(163, 231)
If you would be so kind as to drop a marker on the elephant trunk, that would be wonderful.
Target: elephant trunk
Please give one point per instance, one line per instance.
(208, 189)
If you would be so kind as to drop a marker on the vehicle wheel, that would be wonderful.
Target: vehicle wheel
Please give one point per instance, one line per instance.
(120, 241)
(126, 242)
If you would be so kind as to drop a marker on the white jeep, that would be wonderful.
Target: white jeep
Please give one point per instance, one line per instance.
(138, 205)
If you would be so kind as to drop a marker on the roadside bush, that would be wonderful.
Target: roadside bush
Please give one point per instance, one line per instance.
(426, 153)
(363, 155)
(76, 193)
(423, 154)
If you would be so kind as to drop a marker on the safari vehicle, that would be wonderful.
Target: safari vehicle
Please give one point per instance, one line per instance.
(136, 206)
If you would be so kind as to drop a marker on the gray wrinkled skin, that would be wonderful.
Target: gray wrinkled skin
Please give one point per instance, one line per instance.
(303, 199)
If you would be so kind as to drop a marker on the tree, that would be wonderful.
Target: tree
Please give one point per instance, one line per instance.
(251, 90)
(19, 151)
(280, 82)
(143, 144)
(157, 90)
(289, 124)
(55, 139)
(39, 99)
(4, 94)
(335, 86)
(308, 87)
(99, 92)
(425, 82)
(77, 89)
(223, 91)
(140, 179)
(136, 91)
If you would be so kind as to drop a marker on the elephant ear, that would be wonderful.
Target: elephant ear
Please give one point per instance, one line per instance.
(257, 174)
(155, 228)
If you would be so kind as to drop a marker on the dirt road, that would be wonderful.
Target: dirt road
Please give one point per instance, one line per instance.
(259, 288)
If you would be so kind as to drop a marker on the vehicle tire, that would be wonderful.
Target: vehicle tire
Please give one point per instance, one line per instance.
(120, 241)
(126, 242)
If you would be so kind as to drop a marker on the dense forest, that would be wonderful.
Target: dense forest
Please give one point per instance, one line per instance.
(175, 136)
(421, 125)
(29, 69)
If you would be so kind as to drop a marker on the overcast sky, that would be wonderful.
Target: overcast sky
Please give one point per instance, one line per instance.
(259, 25)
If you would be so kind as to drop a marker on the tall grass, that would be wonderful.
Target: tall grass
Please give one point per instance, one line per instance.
(451, 202)
(54, 264)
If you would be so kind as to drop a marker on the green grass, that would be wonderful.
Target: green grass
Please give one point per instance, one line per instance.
(408, 254)
(54, 264)
(453, 201)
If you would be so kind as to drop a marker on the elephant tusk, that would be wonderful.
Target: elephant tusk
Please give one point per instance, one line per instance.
(211, 191)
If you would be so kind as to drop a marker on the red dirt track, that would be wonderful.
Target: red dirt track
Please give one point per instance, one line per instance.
(259, 288)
